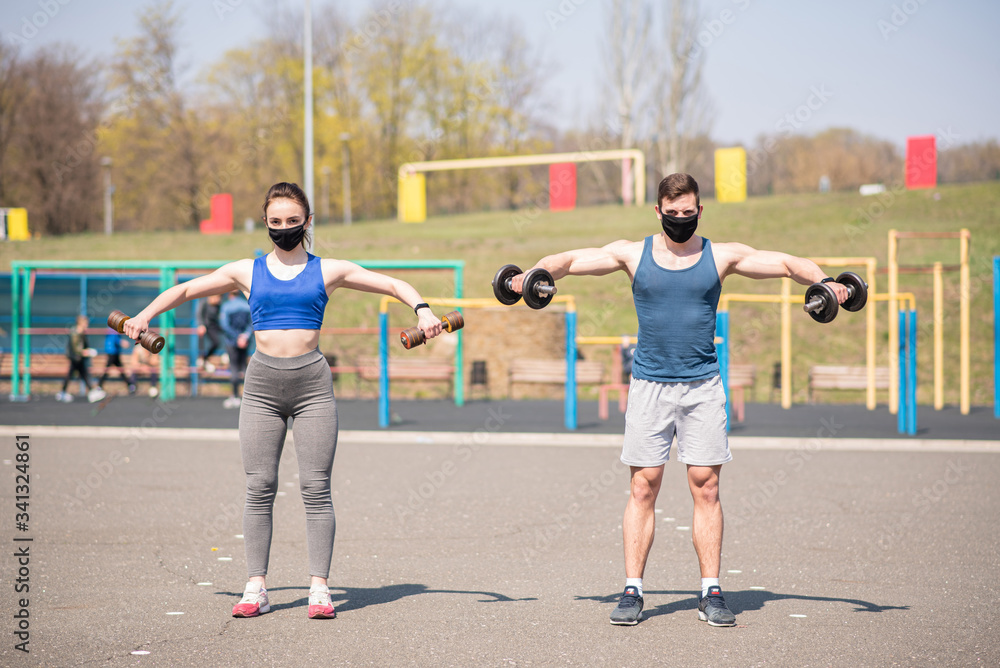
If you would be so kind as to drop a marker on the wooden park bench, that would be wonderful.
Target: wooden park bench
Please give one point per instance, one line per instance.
(552, 371)
(740, 376)
(844, 378)
(409, 368)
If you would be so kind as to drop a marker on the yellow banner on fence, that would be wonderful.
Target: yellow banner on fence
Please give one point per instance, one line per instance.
(731, 174)
(412, 198)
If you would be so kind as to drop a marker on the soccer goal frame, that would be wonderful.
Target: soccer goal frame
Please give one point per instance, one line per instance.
(412, 199)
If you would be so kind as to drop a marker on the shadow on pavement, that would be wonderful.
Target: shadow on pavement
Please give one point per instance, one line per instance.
(739, 601)
(355, 598)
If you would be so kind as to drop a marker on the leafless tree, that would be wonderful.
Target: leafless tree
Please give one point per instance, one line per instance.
(164, 158)
(628, 58)
(680, 101)
(49, 140)
(12, 94)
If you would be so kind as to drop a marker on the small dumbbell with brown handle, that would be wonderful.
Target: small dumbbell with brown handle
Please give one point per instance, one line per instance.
(414, 336)
(149, 339)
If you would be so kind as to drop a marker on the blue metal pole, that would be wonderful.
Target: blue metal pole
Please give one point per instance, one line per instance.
(911, 414)
(903, 393)
(570, 402)
(722, 350)
(383, 369)
(996, 336)
(15, 331)
(26, 295)
(193, 347)
(83, 295)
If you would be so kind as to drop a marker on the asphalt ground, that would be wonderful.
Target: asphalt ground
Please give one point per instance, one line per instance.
(490, 544)
(540, 416)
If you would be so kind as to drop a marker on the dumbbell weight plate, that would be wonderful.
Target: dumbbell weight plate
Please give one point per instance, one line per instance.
(532, 280)
(452, 321)
(828, 311)
(859, 291)
(501, 290)
(151, 342)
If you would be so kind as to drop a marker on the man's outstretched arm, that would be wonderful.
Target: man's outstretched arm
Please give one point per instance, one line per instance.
(583, 262)
(758, 264)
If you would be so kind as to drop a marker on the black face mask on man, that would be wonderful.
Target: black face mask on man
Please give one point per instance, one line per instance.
(679, 229)
(287, 238)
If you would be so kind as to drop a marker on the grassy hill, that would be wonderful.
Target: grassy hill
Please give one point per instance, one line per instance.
(835, 224)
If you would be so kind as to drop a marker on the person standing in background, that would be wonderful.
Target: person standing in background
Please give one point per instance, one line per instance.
(237, 325)
(78, 353)
(209, 330)
(114, 346)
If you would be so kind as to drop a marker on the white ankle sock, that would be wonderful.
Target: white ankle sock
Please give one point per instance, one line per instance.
(706, 583)
(634, 582)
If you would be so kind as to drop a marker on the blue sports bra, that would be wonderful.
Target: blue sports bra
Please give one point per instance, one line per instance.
(297, 303)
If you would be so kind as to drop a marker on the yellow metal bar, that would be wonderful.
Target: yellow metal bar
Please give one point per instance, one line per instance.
(903, 298)
(938, 337)
(606, 340)
(893, 325)
(842, 261)
(479, 302)
(786, 343)
(964, 316)
(634, 154)
(871, 325)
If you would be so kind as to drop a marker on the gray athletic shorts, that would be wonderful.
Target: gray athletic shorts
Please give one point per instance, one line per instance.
(695, 411)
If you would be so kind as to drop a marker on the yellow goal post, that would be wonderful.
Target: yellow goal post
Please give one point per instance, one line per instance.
(412, 198)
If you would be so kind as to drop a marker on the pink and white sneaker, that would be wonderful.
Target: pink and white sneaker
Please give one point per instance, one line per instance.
(320, 606)
(254, 602)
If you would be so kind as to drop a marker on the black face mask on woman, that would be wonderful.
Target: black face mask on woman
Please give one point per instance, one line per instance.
(679, 229)
(287, 238)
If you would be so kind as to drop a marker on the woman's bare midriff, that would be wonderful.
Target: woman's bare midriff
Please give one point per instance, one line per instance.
(286, 342)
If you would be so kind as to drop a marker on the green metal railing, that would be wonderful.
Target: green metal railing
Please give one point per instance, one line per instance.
(22, 284)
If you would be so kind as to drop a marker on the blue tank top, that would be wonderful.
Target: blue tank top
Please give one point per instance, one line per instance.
(676, 310)
(297, 303)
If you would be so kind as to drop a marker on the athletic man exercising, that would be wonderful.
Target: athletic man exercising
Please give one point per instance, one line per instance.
(675, 388)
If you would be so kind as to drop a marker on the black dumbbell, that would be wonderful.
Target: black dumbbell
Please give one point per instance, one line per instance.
(414, 336)
(537, 290)
(821, 300)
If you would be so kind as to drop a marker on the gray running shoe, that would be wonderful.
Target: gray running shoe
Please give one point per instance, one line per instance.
(629, 610)
(712, 609)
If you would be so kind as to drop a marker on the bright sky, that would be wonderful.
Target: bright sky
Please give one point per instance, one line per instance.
(890, 68)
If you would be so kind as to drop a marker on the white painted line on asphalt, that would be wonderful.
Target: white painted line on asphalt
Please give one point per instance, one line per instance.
(225, 558)
(204, 584)
(175, 613)
(734, 571)
(669, 519)
(366, 437)
(683, 528)
(800, 616)
(140, 652)
(239, 535)
(759, 588)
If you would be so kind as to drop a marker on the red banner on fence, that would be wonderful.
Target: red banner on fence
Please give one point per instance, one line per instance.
(221, 221)
(562, 186)
(921, 162)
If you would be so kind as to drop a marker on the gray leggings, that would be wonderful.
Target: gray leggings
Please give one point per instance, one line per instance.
(275, 389)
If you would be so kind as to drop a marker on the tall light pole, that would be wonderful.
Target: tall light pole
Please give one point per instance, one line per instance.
(346, 175)
(308, 141)
(108, 191)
